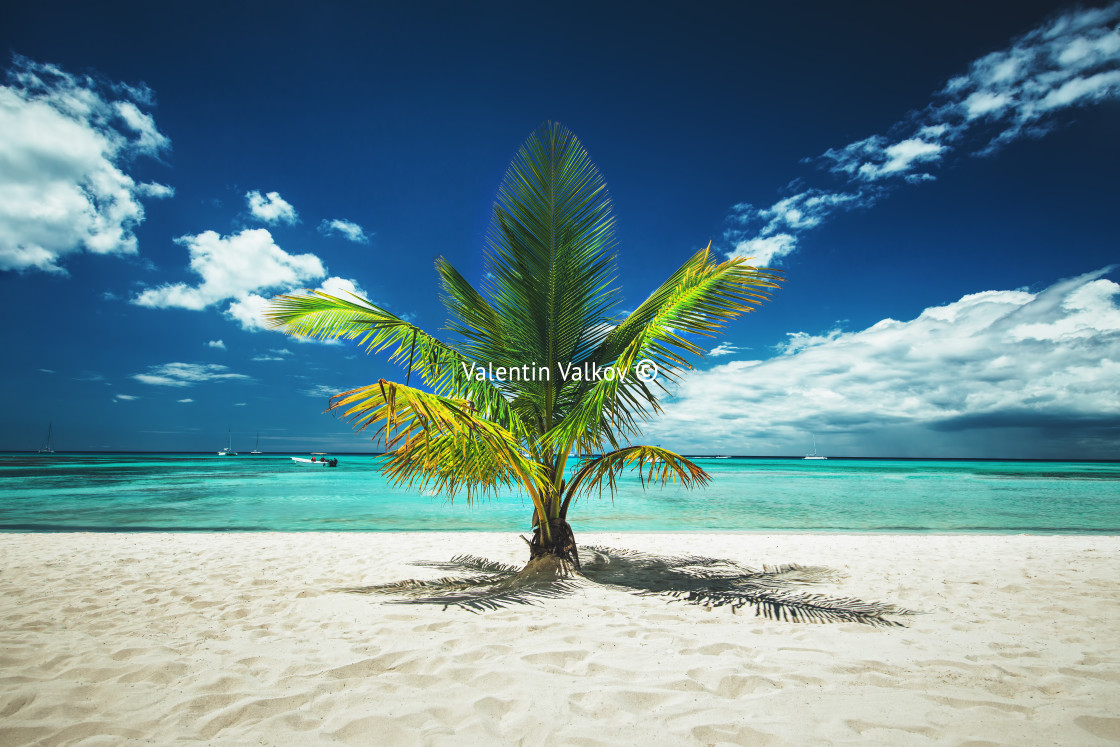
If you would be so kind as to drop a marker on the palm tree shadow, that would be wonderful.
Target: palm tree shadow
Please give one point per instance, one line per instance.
(773, 592)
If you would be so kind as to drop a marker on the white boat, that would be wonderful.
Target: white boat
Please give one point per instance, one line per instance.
(47, 448)
(228, 450)
(256, 448)
(720, 456)
(313, 462)
(813, 454)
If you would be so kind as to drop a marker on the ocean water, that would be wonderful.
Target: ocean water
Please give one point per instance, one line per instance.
(192, 492)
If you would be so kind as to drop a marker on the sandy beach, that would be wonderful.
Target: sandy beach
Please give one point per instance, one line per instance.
(242, 638)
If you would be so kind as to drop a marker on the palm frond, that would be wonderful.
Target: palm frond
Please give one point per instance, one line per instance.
(440, 442)
(318, 315)
(697, 300)
(472, 318)
(652, 463)
(550, 261)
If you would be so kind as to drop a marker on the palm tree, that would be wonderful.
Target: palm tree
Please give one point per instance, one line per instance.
(537, 364)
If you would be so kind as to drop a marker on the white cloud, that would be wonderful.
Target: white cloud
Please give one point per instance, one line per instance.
(801, 340)
(63, 188)
(1072, 60)
(232, 267)
(186, 374)
(901, 158)
(1040, 369)
(216, 344)
(274, 354)
(245, 269)
(724, 348)
(157, 191)
(240, 404)
(124, 397)
(322, 390)
(347, 229)
(342, 288)
(775, 235)
(270, 208)
(249, 310)
(185, 400)
(46, 370)
(764, 251)
(872, 159)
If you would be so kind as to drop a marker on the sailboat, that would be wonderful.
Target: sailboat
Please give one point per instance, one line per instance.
(256, 448)
(228, 450)
(813, 454)
(47, 448)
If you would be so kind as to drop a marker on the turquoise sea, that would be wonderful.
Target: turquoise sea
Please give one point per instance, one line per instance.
(192, 492)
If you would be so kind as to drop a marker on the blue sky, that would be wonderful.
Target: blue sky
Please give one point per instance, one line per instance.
(939, 188)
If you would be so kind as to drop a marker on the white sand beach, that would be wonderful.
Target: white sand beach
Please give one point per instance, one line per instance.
(239, 638)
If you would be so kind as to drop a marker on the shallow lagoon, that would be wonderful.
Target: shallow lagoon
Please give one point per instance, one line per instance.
(192, 492)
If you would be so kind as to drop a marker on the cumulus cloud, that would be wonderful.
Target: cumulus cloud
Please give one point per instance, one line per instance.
(1033, 364)
(187, 374)
(348, 230)
(185, 400)
(270, 208)
(245, 269)
(124, 398)
(232, 267)
(249, 310)
(67, 141)
(1072, 60)
(216, 344)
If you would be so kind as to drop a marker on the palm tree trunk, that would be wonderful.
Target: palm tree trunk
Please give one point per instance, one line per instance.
(556, 551)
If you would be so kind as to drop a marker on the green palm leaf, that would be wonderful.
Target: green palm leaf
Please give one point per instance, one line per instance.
(697, 300)
(652, 463)
(442, 368)
(550, 262)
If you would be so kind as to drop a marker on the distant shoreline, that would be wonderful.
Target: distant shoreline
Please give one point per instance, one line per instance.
(799, 457)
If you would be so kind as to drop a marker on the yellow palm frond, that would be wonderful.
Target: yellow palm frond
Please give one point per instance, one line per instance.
(441, 443)
(652, 463)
